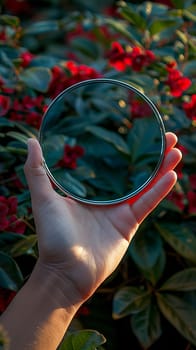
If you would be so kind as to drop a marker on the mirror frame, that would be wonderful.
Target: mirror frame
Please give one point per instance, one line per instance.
(159, 121)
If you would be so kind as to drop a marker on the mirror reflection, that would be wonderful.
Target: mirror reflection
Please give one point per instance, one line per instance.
(102, 141)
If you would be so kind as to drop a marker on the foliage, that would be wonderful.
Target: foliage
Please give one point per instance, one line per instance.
(151, 46)
(83, 339)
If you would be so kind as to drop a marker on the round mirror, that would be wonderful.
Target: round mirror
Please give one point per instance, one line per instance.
(103, 141)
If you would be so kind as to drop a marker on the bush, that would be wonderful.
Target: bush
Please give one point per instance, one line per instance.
(151, 296)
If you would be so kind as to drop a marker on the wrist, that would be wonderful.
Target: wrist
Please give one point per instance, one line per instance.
(59, 289)
(41, 312)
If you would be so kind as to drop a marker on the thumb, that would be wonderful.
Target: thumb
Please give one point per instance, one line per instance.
(37, 179)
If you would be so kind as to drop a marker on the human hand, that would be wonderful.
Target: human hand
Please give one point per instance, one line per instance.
(85, 243)
(79, 247)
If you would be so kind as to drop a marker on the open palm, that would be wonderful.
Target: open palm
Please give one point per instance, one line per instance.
(85, 243)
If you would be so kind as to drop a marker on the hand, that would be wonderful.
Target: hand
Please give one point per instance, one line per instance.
(85, 243)
(79, 247)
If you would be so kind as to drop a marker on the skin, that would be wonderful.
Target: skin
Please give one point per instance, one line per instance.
(79, 247)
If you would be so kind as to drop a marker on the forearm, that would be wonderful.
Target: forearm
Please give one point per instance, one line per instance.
(41, 312)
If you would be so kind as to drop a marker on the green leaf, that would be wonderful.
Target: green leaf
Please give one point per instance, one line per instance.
(5, 122)
(42, 27)
(133, 17)
(105, 177)
(189, 15)
(189, 142)
(191, 7)
(84, 172)
(164, 52)
(153, 9)
(37, 78)
(12, 21)
(69, 183)
(146, 325)
(10, 274)
(184, 280)
(44, 61)
(18, 136)
(7, 240)
(183, 36)
(168, 206)
(180, 237)
(180, 314)
(139, 136)
(159, 25)
(23, 246)
(24, 196)
(179, 4)
(86, 47)
(5, 60)
(71, 125)
(142, 81)
(129, 300)
(178, 120)
(53, 148)
(92, 147)
(111, 137)
(83, 340)
(15, 147)
(147, 253)
(27, 129)
(189, 68)
(122, 28)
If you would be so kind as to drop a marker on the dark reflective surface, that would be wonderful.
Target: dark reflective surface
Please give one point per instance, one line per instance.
(102, 141)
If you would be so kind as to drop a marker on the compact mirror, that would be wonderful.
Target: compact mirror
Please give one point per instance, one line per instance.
(103, 141)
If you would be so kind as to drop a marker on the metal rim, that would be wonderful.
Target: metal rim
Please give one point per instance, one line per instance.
(159, 121)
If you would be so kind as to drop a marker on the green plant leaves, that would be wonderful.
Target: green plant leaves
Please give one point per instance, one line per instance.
(189, 68)
(129, 300)
(146, 325)
(86, 47)
(10, 274)
(138, 136)
(184, 280)
(110, 137)
(70, 183)
(181, 314)
(42, 27)
(24, 245)
(122, 28)
(133, 17)
(180, 237)
(12, 21)
(9, 239)
(141, 306)
(190, 13)
(159, 25)
(178, 3)
(83, 340)
(37, 78)
(147, 252)
(18, 136)
(151, 9)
